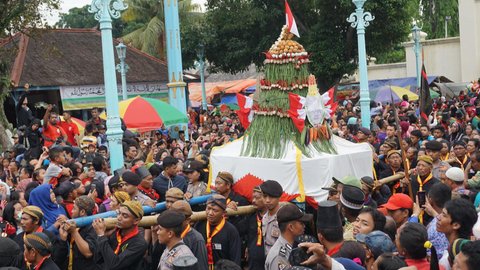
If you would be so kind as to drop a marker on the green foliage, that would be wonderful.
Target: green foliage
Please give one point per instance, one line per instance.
(192, 35)
(396, 55)
(5, 87)
(433, 18)
(77, 18)
(148, 18)
(17, 15)
(82, 18)
(238, 31)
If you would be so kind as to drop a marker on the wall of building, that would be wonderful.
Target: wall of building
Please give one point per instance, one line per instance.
(457, 58)
(441, 57)
(470, 38)
(385, 71)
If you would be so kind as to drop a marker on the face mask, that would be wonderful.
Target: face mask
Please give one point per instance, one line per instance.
(19, 215)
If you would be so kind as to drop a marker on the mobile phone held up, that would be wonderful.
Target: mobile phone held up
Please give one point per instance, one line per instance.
(93, 187)
(422, 198)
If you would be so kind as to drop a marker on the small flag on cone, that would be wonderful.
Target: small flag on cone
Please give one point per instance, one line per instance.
(292, 25)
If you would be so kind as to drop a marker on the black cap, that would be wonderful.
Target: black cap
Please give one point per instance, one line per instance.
(352, 197)
(142, 171)
(131, 178)
(365, 131)
(218, 200)
(113, 182)
(193, 165)
(291, 212)
(368, 181)
(328, 216)
(119, 171)
(272, 188)
(170, 219)
(8, 248)
(65, 188)
(433, 146)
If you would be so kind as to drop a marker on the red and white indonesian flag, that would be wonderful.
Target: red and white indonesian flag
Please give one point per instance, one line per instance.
(297, 111)
(292, 25)
(245, 113)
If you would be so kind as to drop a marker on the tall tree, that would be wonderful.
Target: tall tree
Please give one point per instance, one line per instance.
(16, 16)
(148, 24)
(239, 31)
(80, 17)
(433, 16)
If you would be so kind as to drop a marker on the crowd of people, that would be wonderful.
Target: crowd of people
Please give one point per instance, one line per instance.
(425, 220)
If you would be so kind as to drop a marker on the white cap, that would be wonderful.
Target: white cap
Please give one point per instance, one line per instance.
(455, 174)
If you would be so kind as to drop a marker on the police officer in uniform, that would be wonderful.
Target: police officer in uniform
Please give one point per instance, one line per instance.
(169, 233)
(291, 223)
(272, 191)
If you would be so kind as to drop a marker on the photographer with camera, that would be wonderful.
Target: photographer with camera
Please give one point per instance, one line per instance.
(24, 116)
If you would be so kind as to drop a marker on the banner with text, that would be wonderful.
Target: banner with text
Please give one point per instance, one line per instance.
(82, 97)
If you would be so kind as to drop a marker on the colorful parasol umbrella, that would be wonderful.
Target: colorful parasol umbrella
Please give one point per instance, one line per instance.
(434, 94)
(383, 94)
(144, 114)
(80, 124)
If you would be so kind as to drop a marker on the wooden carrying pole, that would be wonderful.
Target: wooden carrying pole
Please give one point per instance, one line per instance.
(149, 221)
(403, 151)
(389, 179)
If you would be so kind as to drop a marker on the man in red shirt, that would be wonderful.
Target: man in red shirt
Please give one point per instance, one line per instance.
(70, 128)
(96, 120)
(51, 130)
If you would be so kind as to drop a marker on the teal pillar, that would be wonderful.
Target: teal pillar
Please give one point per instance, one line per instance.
(360, 20)
(417, 47)
(176, 86)
(104, 11)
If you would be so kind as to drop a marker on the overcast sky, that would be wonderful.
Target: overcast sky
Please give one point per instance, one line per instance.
(68, 4)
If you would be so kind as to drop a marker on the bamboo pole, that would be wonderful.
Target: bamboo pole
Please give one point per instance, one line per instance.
(389, 179)
(149, 221)
(403, 151)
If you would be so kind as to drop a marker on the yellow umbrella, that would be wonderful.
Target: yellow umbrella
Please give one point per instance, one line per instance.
(385, 94)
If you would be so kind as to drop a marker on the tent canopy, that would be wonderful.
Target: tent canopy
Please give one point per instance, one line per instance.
(450, 90)
(213, 88)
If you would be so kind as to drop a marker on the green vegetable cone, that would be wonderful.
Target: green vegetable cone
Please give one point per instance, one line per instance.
(271, 130)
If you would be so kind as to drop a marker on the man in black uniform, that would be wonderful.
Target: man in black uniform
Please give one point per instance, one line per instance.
(78, 245)
(221, 237)
(32, 217)
(255, 249)
(424, 179)
(191, 237)
(224, 187)
(462, 160)
(38, 249)
(124, 249)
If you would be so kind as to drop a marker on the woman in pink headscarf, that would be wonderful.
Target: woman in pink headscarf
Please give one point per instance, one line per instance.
(405, 126)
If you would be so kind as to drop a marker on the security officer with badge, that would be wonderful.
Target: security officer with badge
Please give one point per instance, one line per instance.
(291, 224)
(272, 191)
(169, 233)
